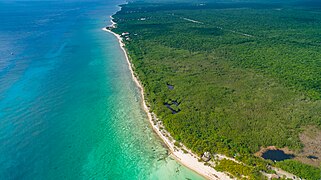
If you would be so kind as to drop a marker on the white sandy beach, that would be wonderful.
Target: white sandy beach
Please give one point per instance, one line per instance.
(188, 159)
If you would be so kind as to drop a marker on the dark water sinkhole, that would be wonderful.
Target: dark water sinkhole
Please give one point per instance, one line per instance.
(276, 155)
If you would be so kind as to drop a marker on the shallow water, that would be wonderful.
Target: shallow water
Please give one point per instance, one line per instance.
(68, 106)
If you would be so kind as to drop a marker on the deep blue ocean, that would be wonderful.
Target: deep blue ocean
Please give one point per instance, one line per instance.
(68, 106)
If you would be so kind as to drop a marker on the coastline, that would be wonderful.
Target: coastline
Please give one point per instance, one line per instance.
(186, 158)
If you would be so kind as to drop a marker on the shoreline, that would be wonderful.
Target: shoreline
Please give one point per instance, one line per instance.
(187, 158)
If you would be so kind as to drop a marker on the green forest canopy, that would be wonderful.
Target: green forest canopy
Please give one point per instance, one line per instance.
(245, 75)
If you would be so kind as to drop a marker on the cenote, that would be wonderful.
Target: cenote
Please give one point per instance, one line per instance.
(276, 155)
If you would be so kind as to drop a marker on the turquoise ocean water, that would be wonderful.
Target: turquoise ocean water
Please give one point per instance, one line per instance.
(68, 106)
